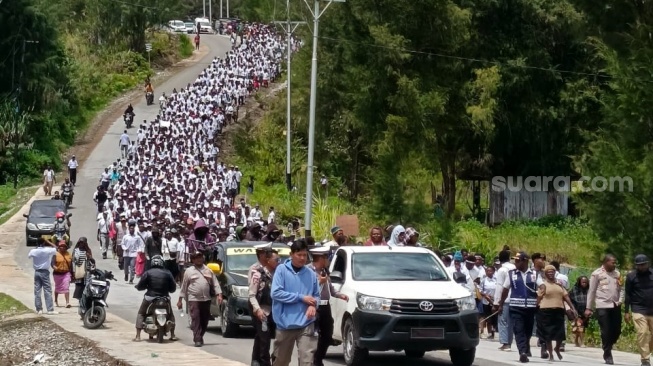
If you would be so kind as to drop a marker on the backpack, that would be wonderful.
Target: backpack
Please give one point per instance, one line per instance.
(263, 295)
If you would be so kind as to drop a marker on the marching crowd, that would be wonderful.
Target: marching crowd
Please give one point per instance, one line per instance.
(169, 196)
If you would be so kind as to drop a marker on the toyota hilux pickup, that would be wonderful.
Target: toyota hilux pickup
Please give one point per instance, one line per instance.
(401, 299)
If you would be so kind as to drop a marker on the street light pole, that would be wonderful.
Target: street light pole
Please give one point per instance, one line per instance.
(289, 28)
(311, 122)
(221, 7)
(204, 8)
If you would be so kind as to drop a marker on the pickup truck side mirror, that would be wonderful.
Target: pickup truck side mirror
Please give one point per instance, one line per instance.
(70, 215)
(336, 276)
(460, 278)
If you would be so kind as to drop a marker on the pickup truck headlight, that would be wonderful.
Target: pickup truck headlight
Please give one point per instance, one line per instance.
(466, 303)
(240, 291)
(372, 303)
(31, 226)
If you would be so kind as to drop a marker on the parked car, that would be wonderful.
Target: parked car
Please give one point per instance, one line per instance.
(231, 264)
(401, 299)
(177, 26)
(41, 218)
(190, 27)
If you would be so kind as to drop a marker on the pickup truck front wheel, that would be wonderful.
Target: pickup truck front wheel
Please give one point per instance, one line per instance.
(412, 353)
(462, 357)
(354, 355)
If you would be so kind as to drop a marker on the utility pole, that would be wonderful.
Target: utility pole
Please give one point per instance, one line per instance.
(221, 7)
(210, 14)
(311, 122)
(203, 8)
(227, 8)
(289, 28)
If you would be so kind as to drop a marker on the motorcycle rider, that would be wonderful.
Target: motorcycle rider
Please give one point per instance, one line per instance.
(158, 282)
(129, 113)
(67, 189)
(61, 225)
(148, 89)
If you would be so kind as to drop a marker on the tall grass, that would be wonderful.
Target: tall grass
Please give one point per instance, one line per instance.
(185, 46)
(566, 240)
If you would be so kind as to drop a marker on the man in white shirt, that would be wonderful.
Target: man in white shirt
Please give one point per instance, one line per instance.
(72, 169)
(42, 261)
(48, 180)
(271, 215)
(103, 223)
(124, 144)
(130, 244)
(505, 324)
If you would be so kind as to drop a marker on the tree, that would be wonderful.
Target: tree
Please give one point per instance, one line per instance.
(14, 139)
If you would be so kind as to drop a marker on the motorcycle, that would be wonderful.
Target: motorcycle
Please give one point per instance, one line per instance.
(158, 318)
(129, 119)
(67, 198)
(93, 302)
(149, 98)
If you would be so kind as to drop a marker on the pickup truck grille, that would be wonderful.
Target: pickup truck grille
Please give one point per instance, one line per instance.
(424, 307)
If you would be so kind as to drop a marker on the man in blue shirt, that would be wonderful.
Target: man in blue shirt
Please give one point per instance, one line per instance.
(42, 261)
(295, 296)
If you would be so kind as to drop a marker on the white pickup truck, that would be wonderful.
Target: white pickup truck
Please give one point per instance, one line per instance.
(401, 299)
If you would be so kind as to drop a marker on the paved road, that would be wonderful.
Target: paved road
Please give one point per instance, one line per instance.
(124, 299)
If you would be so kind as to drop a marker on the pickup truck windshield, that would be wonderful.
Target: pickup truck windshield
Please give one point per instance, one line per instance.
(397, 267)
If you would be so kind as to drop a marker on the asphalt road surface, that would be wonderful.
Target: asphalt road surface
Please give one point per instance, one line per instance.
(124, 300)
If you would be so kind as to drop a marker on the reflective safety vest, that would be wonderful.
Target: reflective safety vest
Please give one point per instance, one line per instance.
(523, 294)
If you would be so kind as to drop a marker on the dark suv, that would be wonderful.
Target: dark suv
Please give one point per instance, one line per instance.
(234, 259)
(41, 218)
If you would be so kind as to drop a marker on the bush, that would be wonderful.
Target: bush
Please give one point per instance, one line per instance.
(185, 46)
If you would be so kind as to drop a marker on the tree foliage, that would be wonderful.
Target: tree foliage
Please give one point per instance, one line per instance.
(64, 60)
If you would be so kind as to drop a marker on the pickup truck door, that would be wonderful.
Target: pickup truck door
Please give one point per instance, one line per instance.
(339, 307)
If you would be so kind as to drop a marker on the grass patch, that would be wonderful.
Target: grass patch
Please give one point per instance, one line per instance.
(10, 305)
(11, 200)
(185, 46)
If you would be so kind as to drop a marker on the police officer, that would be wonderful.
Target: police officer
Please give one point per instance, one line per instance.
(260, 305)
(324, 318)
(521, 283)
(262, 250)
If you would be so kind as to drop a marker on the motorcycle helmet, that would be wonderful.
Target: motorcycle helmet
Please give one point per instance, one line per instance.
(60, 215)
(157, 261)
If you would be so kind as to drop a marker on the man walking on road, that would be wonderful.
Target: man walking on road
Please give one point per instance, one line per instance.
(42, 261)
(521, 283)
(130, 244)
(198, 286)
(639, 298)
(503, 318)
(607, 293)
(103, 232)
(295, 297)
(72, 169)
(124, 144)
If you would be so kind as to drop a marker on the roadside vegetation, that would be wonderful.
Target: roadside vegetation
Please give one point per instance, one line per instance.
(64, 62)
(9, 305)
(412, 100)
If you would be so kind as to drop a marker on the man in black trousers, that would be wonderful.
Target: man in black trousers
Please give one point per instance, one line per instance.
(324, 318)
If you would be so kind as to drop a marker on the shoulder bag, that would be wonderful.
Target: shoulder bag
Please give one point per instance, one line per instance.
(212, 293)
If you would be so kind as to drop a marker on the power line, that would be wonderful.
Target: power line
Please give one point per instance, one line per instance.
(470, 59)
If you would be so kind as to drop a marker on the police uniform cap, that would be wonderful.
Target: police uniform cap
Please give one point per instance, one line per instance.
(263, 247)
(320, 251)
